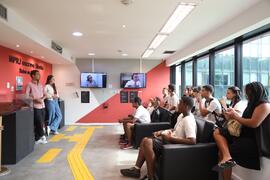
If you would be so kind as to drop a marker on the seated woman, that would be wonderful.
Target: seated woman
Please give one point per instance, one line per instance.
(234, 96)
(244, 150)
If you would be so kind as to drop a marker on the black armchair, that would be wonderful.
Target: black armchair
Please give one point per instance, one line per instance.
(190, 162)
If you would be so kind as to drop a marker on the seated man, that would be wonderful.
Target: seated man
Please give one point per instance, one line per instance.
(159, 114)
(141, 116)
(211, 106)
(184, 132)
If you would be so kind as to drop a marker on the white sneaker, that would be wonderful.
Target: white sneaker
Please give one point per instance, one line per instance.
(43, 138)
(48, 130)
(55, 133)
(41, 141)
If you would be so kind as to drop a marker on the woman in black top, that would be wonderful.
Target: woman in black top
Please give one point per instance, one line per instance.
(244, 150)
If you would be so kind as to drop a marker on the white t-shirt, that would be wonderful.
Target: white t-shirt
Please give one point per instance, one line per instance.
(166, 99)
(185, 127)
(132, 83)
(49, 92)
(173, 101)
(240, 107)
(197, 112)
(214, 106)
(142, 115)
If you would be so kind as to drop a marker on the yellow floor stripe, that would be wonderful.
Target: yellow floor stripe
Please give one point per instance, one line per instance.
(57, 138)
(71, 128)
(79, 169)
(49, 156)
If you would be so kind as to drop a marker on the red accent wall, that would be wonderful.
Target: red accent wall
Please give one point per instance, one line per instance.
(9, 71)
(157, 79)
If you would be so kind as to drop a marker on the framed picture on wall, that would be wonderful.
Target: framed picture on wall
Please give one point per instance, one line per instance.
(19, 83)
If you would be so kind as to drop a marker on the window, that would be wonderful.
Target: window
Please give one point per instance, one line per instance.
(256, 60)
(178, 81)
(203, 71)
(224, 71)
(188, 73)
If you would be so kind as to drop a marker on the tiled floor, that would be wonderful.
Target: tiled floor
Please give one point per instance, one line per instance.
(101, 155)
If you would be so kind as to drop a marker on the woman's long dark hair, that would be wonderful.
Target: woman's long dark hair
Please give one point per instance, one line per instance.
(49, 78)
(237, 96)
(256, 94)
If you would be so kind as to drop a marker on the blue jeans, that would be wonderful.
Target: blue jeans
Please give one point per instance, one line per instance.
(54, 114)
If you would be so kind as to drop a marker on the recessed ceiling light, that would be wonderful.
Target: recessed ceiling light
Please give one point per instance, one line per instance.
(17, 45)
(124, 26)
(124, 54)
(31, 52)
(77, 34)
(91, 54)
(42, 57)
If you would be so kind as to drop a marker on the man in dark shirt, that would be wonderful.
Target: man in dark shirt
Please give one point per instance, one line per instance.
(159, 114)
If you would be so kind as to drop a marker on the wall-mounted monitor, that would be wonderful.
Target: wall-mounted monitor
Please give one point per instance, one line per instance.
(133, 80)
(93, 80)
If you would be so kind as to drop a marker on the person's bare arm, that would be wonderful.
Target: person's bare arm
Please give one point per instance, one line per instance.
(259, 114)
(176, 140)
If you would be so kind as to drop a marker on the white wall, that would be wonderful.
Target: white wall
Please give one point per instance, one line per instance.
(68, 82)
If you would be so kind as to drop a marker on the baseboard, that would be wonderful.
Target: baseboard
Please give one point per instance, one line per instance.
(93, 124)
(236, 177)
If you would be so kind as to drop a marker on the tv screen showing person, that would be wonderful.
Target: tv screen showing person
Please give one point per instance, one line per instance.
(133, 80)
(93, 80)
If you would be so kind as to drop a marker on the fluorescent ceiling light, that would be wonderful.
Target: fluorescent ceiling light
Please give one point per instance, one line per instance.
(91, 54)
(124, 54)
(182, 10)
(147, 53)
(157, 41)
(77, 34)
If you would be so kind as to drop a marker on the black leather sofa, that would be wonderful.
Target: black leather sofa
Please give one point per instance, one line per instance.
(146, 130)
(190, 162)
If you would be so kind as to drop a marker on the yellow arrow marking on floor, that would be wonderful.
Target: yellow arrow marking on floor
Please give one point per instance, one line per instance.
(49, 156)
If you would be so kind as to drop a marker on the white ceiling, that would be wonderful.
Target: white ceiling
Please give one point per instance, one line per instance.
(101, 23)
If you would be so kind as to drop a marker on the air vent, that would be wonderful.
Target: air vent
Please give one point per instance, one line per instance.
(57, 48)
(168, 52)
(3, 12)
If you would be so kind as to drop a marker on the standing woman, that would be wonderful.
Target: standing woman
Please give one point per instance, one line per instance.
(52, 106)
(246, 149)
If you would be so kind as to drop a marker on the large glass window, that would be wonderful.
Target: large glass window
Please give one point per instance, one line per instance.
(203, 71)
(256, 60)
(178, 81)
(188, 73)
(224, 71)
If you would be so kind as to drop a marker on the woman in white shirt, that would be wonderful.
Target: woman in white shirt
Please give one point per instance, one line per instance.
(52, 106)
(234, 96)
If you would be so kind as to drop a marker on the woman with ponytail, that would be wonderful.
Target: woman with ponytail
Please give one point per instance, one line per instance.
(52, 106)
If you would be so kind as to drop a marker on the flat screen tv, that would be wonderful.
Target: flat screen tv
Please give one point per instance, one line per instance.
(133, 80)
(93, 80)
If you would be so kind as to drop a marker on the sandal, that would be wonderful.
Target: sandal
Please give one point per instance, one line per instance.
(228, 164)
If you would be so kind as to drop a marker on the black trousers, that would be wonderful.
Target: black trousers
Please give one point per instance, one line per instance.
(39, 118)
